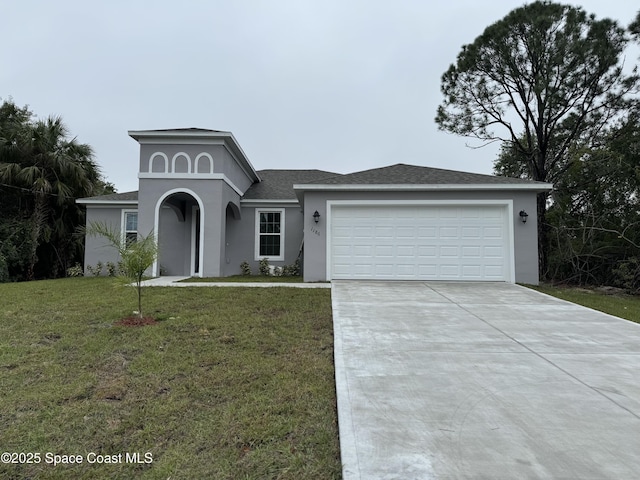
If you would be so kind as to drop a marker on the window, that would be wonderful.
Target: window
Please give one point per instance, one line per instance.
(130, 226)
(270, 234)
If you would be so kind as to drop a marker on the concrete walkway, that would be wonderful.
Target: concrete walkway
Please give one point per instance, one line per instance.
(176, 282)
(482, 381)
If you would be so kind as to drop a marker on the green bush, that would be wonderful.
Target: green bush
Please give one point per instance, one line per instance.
(627, 274)
(75, 271)
(112, 269)
(97, 270)
(292, 270)
(245, 268)
(264, 267)
(4, 269)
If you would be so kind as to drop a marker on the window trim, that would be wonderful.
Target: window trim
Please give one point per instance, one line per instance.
(257, 234)
(123, 223)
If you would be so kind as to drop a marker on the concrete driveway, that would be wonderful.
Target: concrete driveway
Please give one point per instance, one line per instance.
(482, 381)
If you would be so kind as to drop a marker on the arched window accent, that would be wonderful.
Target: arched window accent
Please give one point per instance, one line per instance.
(181, 163)
(161, 168)
(203, 169)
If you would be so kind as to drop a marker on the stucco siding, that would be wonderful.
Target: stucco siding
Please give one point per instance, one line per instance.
(241, 237)
(525, 235)
(97, 249)
(231, 169)
(174, 243)
(180, 160)
(213, 196)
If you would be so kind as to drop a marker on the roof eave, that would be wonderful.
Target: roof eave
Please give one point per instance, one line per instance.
(89, 201)
(536, 187)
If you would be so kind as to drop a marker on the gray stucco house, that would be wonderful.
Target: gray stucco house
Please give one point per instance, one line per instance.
(211, 210)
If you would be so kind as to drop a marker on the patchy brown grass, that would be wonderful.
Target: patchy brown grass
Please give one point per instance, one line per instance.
(136, 321)
(228, 383)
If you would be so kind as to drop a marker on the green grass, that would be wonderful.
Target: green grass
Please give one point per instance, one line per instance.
(620, 305)
(231, 383)
(246, 278)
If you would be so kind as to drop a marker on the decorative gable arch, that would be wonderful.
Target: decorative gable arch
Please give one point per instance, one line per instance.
(162, 156)
(177, 157)
(196, 167)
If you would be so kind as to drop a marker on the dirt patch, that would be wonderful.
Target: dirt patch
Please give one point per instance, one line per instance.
(112, 378)
(135, 321)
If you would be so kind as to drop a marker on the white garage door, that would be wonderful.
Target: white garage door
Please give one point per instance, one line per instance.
(420, 242)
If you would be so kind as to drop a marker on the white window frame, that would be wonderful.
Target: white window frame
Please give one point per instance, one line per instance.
(257, 255)
(123, 223)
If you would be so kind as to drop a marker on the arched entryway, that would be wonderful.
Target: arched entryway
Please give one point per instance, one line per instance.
(179, 215)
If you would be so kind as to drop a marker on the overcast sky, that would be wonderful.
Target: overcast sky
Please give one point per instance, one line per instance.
(339, 85)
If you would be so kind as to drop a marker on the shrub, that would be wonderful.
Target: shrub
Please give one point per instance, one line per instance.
(245, 268)
(112, 269)
(627, 274)
(75, 271)
(4, 269)
(97, 270)
(292, 270)
(264, 267)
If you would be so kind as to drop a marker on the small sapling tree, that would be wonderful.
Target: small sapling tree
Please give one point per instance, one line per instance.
(136, 256)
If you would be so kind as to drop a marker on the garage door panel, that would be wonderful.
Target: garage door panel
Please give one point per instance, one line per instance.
(344, 232)
(406, 251)
(383, 251)
(406, 232)
(362, 231)
(471, 272)
(492, 252)
(342, 251)
(363, 269)
(419, 242)
(383, 232)
(449, 271)
(427, 251)
(427, 232)
(492, 232)
(471, 232)
(362, 250)
(406, 271)
(493, 272)
(449, 251)
(470, 214)
(472, 252)
(427, 271)
(449, 232)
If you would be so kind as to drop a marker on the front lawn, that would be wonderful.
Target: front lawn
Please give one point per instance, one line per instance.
(230, 383)
(620, 305)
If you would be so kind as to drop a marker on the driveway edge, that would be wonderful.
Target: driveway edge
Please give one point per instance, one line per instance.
(348, 454)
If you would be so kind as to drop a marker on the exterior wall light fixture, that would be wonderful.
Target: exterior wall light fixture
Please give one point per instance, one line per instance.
(316, 216)
(523, 216)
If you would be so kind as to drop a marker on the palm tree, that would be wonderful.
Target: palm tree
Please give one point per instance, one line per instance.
(136, 256)
(51, 170)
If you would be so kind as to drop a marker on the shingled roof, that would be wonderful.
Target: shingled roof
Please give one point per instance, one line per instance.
(112, 197)
(404, 174)
(278, 184)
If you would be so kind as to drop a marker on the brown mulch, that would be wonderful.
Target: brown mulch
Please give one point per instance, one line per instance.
(135, 321)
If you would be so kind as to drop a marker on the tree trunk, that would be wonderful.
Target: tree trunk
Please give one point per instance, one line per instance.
(543, 231)
(37, 220)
